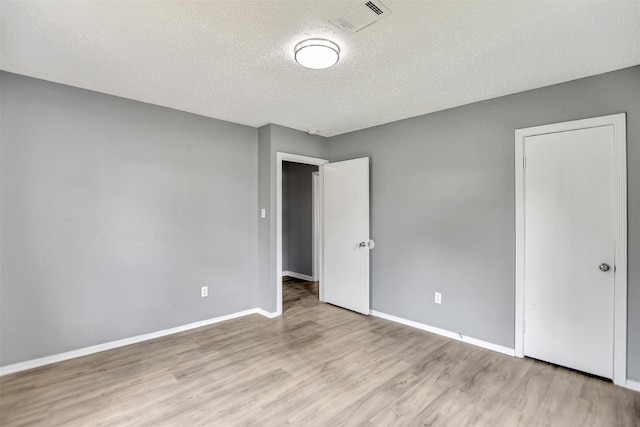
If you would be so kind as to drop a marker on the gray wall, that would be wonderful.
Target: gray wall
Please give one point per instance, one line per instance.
(266, 256)
(442, 204)
(271, 140)
(297, 217)
(113, 214)
(113, 206)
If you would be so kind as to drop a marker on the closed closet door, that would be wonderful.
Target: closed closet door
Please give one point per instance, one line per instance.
(569, 249)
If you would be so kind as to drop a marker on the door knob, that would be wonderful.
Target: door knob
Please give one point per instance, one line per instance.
(604, 267)
(370, 244)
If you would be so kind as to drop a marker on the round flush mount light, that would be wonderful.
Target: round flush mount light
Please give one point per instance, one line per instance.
(317, 53)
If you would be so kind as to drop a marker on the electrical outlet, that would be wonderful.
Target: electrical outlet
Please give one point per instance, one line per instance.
(438, 298)
(204, 291)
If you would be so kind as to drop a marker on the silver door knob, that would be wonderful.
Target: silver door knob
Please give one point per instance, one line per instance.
(370, 244)
(604, 267)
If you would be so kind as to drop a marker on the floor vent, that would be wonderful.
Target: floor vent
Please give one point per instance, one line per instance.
(360, 16)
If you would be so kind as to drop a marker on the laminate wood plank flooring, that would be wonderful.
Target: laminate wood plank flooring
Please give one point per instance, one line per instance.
(317, 365)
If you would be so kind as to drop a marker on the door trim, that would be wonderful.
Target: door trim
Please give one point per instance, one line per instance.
(315, 225)
(618, 121)
(287, 157)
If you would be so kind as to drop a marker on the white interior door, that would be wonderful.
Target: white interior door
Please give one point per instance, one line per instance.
(569, 244)
(346, 226)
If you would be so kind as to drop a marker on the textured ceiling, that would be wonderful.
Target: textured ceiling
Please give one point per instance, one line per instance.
(233, 60)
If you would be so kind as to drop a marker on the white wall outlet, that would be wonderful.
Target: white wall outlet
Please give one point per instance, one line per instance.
(263, 213)
(204, 291)
(438, 298)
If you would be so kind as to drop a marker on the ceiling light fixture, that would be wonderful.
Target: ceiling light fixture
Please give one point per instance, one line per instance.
(317, 53)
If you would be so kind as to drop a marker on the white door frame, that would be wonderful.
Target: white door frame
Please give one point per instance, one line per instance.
(618, 121)
(315, 225)
(287, 157)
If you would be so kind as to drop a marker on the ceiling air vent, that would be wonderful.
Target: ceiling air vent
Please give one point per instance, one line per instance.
(360, 16)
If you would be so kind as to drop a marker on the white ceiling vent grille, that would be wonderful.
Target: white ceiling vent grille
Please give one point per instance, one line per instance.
(361, 15)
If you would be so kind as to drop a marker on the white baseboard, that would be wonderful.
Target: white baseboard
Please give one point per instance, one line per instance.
(445, 333)
(297, 275)
(267, 314)
(633, 385)
(29, 364)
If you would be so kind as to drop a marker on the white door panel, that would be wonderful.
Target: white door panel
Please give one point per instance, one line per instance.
(569, 229)
(346, 225)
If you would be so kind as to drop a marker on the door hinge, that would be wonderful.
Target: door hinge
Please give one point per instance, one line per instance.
(524, 163)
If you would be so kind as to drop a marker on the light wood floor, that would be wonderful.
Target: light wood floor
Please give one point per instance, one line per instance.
(317, 365)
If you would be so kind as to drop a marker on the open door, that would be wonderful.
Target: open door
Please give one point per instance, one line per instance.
(346, 234)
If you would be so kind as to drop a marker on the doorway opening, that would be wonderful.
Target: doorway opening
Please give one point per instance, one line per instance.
(300, 264)
(313, 268)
